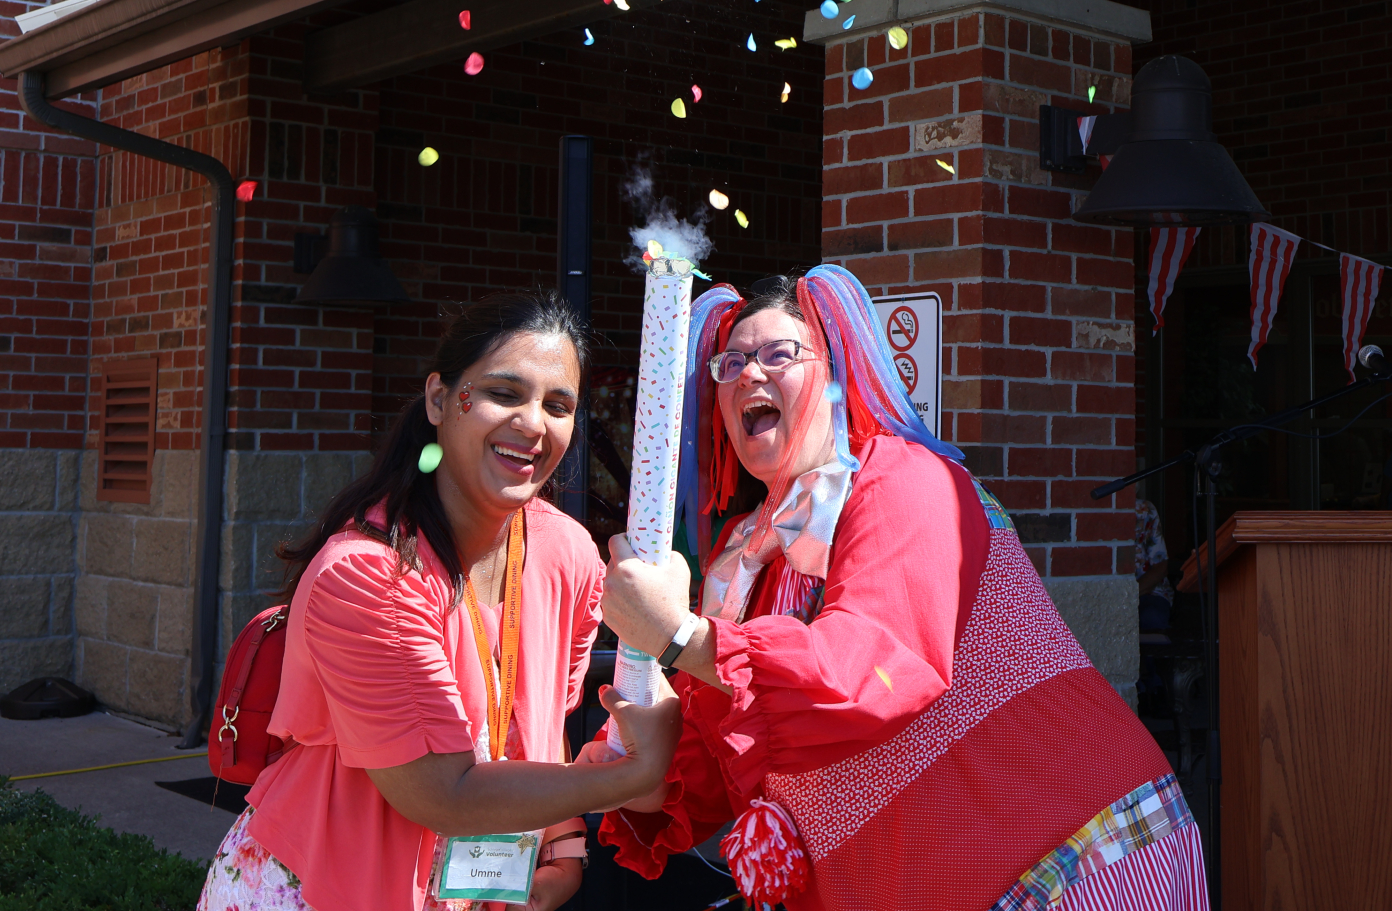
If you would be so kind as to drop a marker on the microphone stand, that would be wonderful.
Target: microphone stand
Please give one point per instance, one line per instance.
(1208, 465)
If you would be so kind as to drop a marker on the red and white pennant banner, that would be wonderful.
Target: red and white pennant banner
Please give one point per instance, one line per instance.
(1268, 264)
(1169, 248)
(1358, 282)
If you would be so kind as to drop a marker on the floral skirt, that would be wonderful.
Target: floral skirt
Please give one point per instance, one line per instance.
(245, 877)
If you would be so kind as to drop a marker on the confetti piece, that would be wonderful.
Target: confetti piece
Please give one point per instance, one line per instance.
(946, 167)
(884, 677)
(430, 457)
(695, 93)
(246, 190)
(622, 4)
(787, 90)
(830, 10)
(750, 43)
(862, 78)
(654, 249)
(786, 44)
(679, 107)
(898, 38)
(464, 19)
(1092, 93)
(834, 393)
(428, 156)
(741, 218)
(474, 65)
(589, 39)
(850, 21)
(718, 199)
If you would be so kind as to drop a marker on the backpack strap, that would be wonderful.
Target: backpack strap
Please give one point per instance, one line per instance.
(234, 697)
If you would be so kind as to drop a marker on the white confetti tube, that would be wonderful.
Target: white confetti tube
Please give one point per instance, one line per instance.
(652, 493)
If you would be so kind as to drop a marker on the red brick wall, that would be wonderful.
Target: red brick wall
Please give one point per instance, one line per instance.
(149, 287)
(47, 185)
(1038, 307)
(1300, 99)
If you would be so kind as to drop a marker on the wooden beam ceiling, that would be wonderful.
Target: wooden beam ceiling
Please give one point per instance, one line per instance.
(422, 33)
(115, 39)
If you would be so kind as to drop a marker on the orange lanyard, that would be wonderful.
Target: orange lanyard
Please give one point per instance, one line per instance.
(510, 634)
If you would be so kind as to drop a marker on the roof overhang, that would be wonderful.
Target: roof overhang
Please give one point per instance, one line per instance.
(113, 40)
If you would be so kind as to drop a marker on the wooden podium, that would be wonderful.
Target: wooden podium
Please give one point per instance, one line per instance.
(1305, 709)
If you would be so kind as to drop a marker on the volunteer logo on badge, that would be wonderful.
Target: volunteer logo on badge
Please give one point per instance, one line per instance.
(476, 852)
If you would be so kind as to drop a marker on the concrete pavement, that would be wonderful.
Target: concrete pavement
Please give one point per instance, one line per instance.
(127, 799)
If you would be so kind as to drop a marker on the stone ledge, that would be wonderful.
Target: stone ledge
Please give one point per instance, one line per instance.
(1102, 18)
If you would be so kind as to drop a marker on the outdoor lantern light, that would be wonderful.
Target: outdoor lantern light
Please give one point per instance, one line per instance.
(1166, 168)
(352, 272)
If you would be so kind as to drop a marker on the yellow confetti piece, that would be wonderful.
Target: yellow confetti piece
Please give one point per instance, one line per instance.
(679, 107)
(898, 38)
(946, 167)
(718, 199)
(654, 249)
(884, 677)
(786, 44)
(787, 90)
(741, 218)
(428, 156)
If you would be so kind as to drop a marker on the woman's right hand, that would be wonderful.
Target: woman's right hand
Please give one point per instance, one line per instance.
(649, 734)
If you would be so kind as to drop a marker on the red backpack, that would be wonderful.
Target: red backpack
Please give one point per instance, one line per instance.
(238, 745)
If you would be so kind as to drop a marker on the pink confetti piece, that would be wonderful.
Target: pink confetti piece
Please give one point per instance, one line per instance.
(695, 93)
(474, 65)
(464, 19)
(246, 190)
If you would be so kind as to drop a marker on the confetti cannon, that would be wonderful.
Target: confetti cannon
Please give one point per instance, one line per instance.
(652, 491)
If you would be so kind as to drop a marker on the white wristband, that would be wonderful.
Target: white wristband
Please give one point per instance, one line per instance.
(688, 626)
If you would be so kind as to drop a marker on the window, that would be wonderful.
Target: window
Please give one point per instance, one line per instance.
(126, 444)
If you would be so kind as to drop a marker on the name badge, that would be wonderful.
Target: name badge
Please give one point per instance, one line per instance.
(495, 868)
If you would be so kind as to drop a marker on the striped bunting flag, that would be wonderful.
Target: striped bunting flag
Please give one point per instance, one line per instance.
(1358, 281)
(1169, 248)
(1273, 251)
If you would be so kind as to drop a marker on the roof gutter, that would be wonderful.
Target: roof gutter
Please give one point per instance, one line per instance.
(216, 336)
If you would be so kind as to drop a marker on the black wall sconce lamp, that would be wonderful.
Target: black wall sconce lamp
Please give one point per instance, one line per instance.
(1167, 169)
(351, 274)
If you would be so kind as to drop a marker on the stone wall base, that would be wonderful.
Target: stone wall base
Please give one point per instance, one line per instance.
(1102, 613)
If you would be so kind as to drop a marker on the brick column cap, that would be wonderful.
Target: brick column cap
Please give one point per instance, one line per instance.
(1102, 18)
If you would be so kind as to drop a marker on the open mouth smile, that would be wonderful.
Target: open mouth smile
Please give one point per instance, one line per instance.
(759, 417)
(515, 457)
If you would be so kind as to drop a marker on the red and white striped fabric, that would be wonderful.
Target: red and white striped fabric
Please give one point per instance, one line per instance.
(1167, 875)
(1268, 264)
(1085, 127)
(1169, 248)
(1358, 281)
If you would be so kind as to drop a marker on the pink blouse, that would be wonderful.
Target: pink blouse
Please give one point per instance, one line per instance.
(378, 672)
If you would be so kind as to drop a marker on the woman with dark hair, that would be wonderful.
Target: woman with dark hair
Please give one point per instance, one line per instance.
(879, 691)
(441, 618)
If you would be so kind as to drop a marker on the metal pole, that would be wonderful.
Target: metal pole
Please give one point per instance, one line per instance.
(573, 271)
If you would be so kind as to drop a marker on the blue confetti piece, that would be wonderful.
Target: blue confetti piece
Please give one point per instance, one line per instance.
(862, 78)
(834, 392)
(750, 43)
(589, 39)
(850, 21)
(830, 9)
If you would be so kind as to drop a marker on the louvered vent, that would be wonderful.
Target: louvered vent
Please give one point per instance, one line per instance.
(126, 444)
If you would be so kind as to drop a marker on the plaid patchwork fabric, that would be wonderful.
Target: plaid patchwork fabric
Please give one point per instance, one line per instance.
(1143, 817)
(995, 512)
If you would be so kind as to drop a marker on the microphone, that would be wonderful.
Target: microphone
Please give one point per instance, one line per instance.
(1371, 356)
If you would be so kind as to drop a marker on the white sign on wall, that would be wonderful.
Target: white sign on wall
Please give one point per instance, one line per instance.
(912, 324)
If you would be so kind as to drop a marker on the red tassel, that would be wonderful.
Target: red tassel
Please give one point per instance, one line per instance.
(766, 855)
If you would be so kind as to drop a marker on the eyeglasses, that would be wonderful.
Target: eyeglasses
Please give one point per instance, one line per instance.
(774, 357)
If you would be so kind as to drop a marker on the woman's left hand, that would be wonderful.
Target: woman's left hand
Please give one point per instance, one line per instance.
(553, 884)
(645, 604)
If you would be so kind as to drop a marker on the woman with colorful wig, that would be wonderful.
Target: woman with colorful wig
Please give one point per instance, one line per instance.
(879, 691)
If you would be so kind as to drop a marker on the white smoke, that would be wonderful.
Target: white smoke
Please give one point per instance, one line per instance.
(679, 237)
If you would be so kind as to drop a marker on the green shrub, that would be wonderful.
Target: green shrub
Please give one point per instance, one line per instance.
(56, 859)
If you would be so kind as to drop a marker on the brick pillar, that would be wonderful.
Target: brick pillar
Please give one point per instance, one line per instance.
(1039, 316)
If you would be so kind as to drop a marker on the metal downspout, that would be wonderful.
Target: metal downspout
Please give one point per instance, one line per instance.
(216, 337)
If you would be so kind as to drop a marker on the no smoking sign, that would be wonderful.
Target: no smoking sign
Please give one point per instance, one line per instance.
(912, 325)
